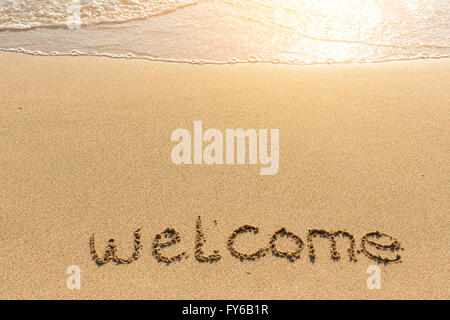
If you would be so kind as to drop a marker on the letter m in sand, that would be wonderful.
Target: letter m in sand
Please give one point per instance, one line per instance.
(332, 237)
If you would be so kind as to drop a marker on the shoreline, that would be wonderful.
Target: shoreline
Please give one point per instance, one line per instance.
(37, 53)
(86, 150)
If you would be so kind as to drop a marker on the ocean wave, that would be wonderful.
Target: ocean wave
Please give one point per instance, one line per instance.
(230, 31)
(26, 14)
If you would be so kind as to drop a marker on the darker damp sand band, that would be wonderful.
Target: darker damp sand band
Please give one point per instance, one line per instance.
(172, 237)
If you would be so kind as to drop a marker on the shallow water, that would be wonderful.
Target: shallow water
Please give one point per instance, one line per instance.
(230, 31)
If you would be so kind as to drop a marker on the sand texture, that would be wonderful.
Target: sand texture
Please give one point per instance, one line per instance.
(85, 150)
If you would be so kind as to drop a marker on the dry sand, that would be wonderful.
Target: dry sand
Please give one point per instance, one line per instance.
(85, 148)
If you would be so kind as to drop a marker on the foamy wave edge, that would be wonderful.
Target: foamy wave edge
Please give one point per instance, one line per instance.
(250, 60)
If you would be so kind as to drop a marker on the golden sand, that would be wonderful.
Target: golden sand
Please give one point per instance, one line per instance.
(85, 149)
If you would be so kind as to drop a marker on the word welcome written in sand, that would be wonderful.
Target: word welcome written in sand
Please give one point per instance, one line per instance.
(370, 246)
(213, 152)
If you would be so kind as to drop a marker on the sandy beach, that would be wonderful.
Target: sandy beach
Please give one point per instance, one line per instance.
(85, 149)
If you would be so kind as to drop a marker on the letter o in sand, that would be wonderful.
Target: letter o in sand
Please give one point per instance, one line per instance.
(291, 256)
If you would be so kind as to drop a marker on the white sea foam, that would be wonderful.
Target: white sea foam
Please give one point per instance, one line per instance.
(230, 31)
(28, 14)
